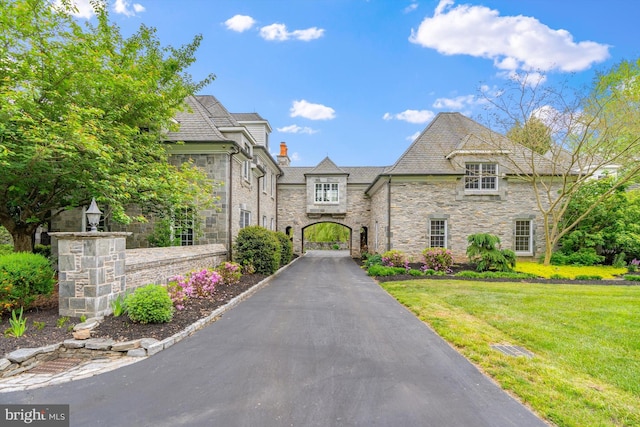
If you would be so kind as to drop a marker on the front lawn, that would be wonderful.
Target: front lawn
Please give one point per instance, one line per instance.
(569, 271)
(586, 367)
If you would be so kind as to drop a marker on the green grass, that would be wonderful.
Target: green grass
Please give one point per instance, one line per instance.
(586, 369)
(569, 271)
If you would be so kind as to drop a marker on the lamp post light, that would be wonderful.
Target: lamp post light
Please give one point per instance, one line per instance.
(93, 215)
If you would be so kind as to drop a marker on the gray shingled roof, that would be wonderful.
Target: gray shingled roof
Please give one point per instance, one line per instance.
(434, 151)
(327, 167)
(248, 117)
(220, 116)
(195, 124)
(356, 174)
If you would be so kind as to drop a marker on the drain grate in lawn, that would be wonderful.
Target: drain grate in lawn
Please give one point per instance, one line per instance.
(512, 350)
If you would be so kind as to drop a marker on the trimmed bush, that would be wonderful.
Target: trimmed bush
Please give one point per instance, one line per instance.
(632, 277)
(23, 276)
(150, 304)
(258, 247)
(438, 259)
(6, 249)
(394, 258)
(286, 248)
(495, 275)
(416, 273)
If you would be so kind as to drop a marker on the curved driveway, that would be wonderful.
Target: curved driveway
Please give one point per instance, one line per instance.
(322, 345)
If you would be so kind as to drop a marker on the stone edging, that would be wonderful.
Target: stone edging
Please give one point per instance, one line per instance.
(24, 359)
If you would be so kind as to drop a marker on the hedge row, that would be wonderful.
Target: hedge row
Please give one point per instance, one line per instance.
(262, 251)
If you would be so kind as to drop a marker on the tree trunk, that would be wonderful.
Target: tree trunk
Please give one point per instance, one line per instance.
(23, 239)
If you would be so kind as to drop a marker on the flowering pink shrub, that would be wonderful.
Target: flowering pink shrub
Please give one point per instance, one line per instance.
(202, 283)
(394, 258)
(438, 259)
(178, 296)
(230, 272)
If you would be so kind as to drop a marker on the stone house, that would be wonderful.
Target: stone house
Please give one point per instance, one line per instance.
(233, 150)
(457, 178)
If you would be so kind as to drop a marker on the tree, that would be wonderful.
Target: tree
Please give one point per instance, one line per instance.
(83, 114)
(592, 134)
(533, 134)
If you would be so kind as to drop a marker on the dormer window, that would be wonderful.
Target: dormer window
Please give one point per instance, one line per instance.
(481, 176)
(326, 193)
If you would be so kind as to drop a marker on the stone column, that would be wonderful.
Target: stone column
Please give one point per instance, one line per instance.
(91, 271)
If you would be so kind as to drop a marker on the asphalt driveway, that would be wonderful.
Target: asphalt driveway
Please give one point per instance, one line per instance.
(322, 345)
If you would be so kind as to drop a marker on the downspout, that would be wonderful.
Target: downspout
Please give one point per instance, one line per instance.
(389, 214)
(275, 185)
(230, 205)
(259, 191)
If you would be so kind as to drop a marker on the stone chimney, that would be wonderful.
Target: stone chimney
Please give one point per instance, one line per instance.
(283, 157)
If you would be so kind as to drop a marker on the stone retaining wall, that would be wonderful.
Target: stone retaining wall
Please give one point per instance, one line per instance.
(158, 265)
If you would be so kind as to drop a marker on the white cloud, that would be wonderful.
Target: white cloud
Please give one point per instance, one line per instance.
(512, 42)
(411, 116)
(83, 8)
(239, 23)
(413, 6)
(457, 103)
(295, 157)
(297, 129)
(413, 137)
(124, 7)
(311, 111)
(279, 32)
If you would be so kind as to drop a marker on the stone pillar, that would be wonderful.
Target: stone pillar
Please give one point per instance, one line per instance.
(91, 272)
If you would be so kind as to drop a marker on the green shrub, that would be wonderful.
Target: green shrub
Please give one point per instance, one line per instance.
(632, 277)
(588, 277)
(23, 276)
(586, 257)
(149, 304)
(414, 272)
(559, 277)
(258, 247)
(484, 251)
(5, 237)
(286, 248)
(6, 249)
(619, 260)
(373, 259)
(381, 270)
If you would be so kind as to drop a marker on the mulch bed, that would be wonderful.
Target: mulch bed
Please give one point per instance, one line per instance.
(45, 326)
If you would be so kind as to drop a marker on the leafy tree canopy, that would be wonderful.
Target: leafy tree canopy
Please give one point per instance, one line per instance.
(83, 112)
(533, 134)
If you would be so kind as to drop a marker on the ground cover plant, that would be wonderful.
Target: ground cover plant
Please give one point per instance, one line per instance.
(587, 351)
(569, 271)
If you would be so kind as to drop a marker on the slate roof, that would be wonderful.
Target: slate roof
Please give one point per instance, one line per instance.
(248, 117)
(327, 167)
(221, 116)
(195, 124)
(356, 174)
(452, 134)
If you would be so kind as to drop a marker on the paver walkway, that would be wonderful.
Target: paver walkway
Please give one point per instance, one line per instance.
(322, 345)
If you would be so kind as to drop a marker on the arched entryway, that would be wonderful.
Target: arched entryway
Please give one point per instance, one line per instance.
(327, 235)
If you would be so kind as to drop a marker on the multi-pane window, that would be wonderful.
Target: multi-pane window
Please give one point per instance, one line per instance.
(523, 236)
(264, 221)
(245, 218)
(264, 183)
(185, 226)
(481, 176)
(438, 233)
(327, 193)
(273, 183)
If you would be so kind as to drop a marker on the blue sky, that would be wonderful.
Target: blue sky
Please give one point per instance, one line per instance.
(357, 80)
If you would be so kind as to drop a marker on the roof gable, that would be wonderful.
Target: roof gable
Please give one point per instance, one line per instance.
(327, 167)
